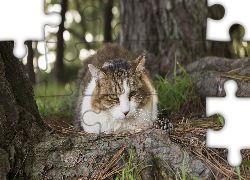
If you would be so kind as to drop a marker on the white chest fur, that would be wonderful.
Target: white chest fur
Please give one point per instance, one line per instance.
(96, 122)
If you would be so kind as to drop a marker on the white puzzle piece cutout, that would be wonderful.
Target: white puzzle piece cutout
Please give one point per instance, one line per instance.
(236, 12)
(236, 112)
(23, 20)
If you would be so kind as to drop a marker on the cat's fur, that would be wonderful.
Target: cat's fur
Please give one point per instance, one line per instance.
(115, 72)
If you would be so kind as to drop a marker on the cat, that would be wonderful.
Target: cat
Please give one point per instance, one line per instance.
(115, 92)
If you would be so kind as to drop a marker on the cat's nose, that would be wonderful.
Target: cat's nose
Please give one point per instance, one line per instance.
(125, 113)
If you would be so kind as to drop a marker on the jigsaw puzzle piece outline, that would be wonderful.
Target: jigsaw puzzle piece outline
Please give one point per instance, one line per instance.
(62, 107)
(218, 30)
(37, 21)
(97, 18)
(45, 82)
(235, 111)
(82, 13)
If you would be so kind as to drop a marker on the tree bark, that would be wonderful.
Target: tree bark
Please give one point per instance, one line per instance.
(170, 29)
(217, 64)
(210, 74)
(211, 84)
(21, 126)
(59, 66)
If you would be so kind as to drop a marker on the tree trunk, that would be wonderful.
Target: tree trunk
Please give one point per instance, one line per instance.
(29, 65)
(170, 29)
(59, 66)
(108, 16)
(21, 126)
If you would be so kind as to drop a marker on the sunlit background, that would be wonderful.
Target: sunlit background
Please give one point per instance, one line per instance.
(82, 32)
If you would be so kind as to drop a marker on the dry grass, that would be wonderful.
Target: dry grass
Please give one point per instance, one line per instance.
(104, 169)
(190, 133)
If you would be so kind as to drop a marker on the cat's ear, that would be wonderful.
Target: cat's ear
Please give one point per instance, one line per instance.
(96, 73)
(140, 62)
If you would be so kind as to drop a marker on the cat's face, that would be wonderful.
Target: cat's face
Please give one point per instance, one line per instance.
(122, 89)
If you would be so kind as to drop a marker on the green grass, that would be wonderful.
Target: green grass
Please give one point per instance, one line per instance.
(56, 106)
(183, 167)
(128, 172)
(51, 89)
(238, 172)
(183, 170)
(173, 93)
(131, 173)
(221, 120)
(55, 99)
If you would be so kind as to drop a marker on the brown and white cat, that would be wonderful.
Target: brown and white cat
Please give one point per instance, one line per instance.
(115, 92)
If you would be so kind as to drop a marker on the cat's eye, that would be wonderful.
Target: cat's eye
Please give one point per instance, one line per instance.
(132, 93)
(113, 96)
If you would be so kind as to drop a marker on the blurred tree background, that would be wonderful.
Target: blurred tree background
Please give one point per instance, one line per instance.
(55, 62)
(53, 65)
